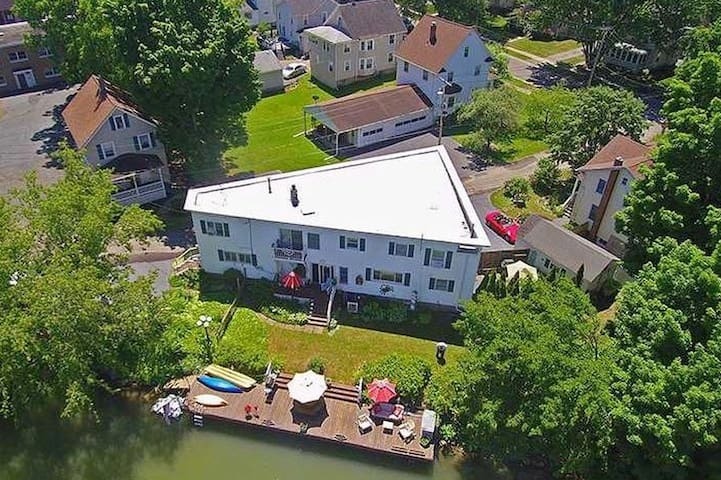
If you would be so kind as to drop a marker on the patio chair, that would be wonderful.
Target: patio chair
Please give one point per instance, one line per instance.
(407, 430)
(364, 423)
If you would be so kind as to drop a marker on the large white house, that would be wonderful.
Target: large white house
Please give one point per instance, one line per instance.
(601, 187)
(443, 56)
(399, 226)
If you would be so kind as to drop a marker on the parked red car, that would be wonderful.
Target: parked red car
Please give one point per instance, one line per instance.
(502, 225)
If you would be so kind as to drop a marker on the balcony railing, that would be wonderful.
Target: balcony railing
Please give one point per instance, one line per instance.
(288, 254)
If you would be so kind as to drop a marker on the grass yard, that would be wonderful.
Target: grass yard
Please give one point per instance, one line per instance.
(516, 54)
(535, 204)
(346, 350)
(519, 84)
(576, 60)
(543, 48)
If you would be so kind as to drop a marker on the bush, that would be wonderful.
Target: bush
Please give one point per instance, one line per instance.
(317, 364)
(292, 313)
(390, 312)
(545, 179)
(244, 347)
(517, 189)
(188, 279)
(409, 373)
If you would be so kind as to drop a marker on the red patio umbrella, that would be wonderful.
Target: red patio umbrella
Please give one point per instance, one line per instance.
(381, 390)
(291, 281)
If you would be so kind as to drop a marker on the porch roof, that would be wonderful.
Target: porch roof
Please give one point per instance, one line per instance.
(356, 111)
(133, 162)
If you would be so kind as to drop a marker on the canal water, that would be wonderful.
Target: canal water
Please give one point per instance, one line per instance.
(129, 443)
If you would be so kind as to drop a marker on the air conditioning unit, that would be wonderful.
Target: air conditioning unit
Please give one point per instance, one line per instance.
(352, 307)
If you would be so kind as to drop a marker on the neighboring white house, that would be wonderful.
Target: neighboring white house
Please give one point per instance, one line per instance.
(270, 71)
(294, 16)
(443, 56)
(551, 246)
(399, 226)
(370, 117)
(357, 40)
(116, 135)
(642, 57)
(601, 187)
(258, 11)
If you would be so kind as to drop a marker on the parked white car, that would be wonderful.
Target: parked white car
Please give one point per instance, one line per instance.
(293, 70)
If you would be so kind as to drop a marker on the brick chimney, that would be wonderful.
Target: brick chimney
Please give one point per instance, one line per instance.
(618, 161)
(432, 39)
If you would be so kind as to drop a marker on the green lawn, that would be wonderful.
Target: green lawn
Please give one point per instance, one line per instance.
(513, 53)
(576, 60)
(535, 204)
(519, 84)
(346, 350)
(543, 48)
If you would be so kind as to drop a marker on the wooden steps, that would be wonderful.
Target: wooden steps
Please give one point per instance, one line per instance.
(336, 391)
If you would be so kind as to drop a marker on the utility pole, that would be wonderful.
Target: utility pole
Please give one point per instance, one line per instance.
(441, 96)
(606, 31)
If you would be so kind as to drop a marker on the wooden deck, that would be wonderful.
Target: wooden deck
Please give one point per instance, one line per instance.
(336, 421)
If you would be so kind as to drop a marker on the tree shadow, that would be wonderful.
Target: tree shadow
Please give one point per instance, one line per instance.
(46, 447)
(51, 136)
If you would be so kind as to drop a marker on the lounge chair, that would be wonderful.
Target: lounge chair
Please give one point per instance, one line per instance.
(388, 411)
(407, 430)
(364, 423)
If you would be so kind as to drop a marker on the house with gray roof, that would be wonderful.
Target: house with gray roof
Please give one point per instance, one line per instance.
(270, 71)
(294, 16)
(358, 40)
(551, 246)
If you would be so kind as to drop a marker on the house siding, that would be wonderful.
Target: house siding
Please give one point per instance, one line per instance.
(390, 130)
(463, 69)
(290, 23)
(38, 65)
(271, 81)
(258, 237)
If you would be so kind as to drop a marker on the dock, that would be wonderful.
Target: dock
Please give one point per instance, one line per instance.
(335, 422)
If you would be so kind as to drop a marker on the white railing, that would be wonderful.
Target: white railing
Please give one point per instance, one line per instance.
(288, 254)
(146, 192)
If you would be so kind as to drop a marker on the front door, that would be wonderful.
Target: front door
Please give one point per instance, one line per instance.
(320, 273)
(25, 79)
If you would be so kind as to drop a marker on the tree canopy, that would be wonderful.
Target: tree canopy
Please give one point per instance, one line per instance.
(188, 64)
(595, 116)
(72, 319)
(494, 114)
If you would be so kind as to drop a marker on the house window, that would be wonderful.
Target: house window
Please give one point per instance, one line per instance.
(592, 213)
(343, 275)
(236, 257)
(375, 131)
(369, 45)
(363, 45)
(118, 122)
(313, 241)
(390, 57)
(601, 185)
(624, 181)
(352, 243)
(215, 229)
(143, 142)
(548, 264)
(292, 239)
(3, 82)
(366, 63)
(437, 258)
(52, 72)
(450, 76)
(385, 276)
(330, 66)
(346, 66)
(425, 75)
(441, 284)
(346, 48)
(405, 66)
(18, 56)
(410, 120)
(391, 39)
(450, 101)
(44, 52)
(477, 71)
(602, 242)
(106, 150)
(465, 51)
(401, 249)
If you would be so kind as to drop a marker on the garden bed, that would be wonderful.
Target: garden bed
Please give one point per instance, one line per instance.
(260, 295)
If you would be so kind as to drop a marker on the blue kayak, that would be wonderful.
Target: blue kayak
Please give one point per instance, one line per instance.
(218, 384)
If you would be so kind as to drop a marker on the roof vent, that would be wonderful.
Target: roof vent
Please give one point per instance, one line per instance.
(618, 161)
(294, 196)
(432, 38)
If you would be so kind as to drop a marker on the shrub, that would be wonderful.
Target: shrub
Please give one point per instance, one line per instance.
(292, 313)
(188, 279)
(517, 189)
(410, 374)
(317, 364)
(545, 179)
(244, 346)
(390, 312)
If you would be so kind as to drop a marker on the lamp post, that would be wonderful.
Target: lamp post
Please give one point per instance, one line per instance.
(204, 322)
(441, 92)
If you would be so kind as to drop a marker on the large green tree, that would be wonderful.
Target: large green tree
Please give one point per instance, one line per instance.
(71, 319)
(681, 196)
(494, 115)
(668, 330)
(188, 63)
(535, 380)
(595, 116)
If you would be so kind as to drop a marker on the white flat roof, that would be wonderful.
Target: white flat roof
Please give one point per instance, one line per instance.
(329, 34)
(414, 194)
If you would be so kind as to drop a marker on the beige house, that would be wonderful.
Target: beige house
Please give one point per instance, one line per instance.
(601, 187)
(103, 120)
(357, 41)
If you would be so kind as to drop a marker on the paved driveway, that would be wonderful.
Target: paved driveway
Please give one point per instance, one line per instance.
(29, 129)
